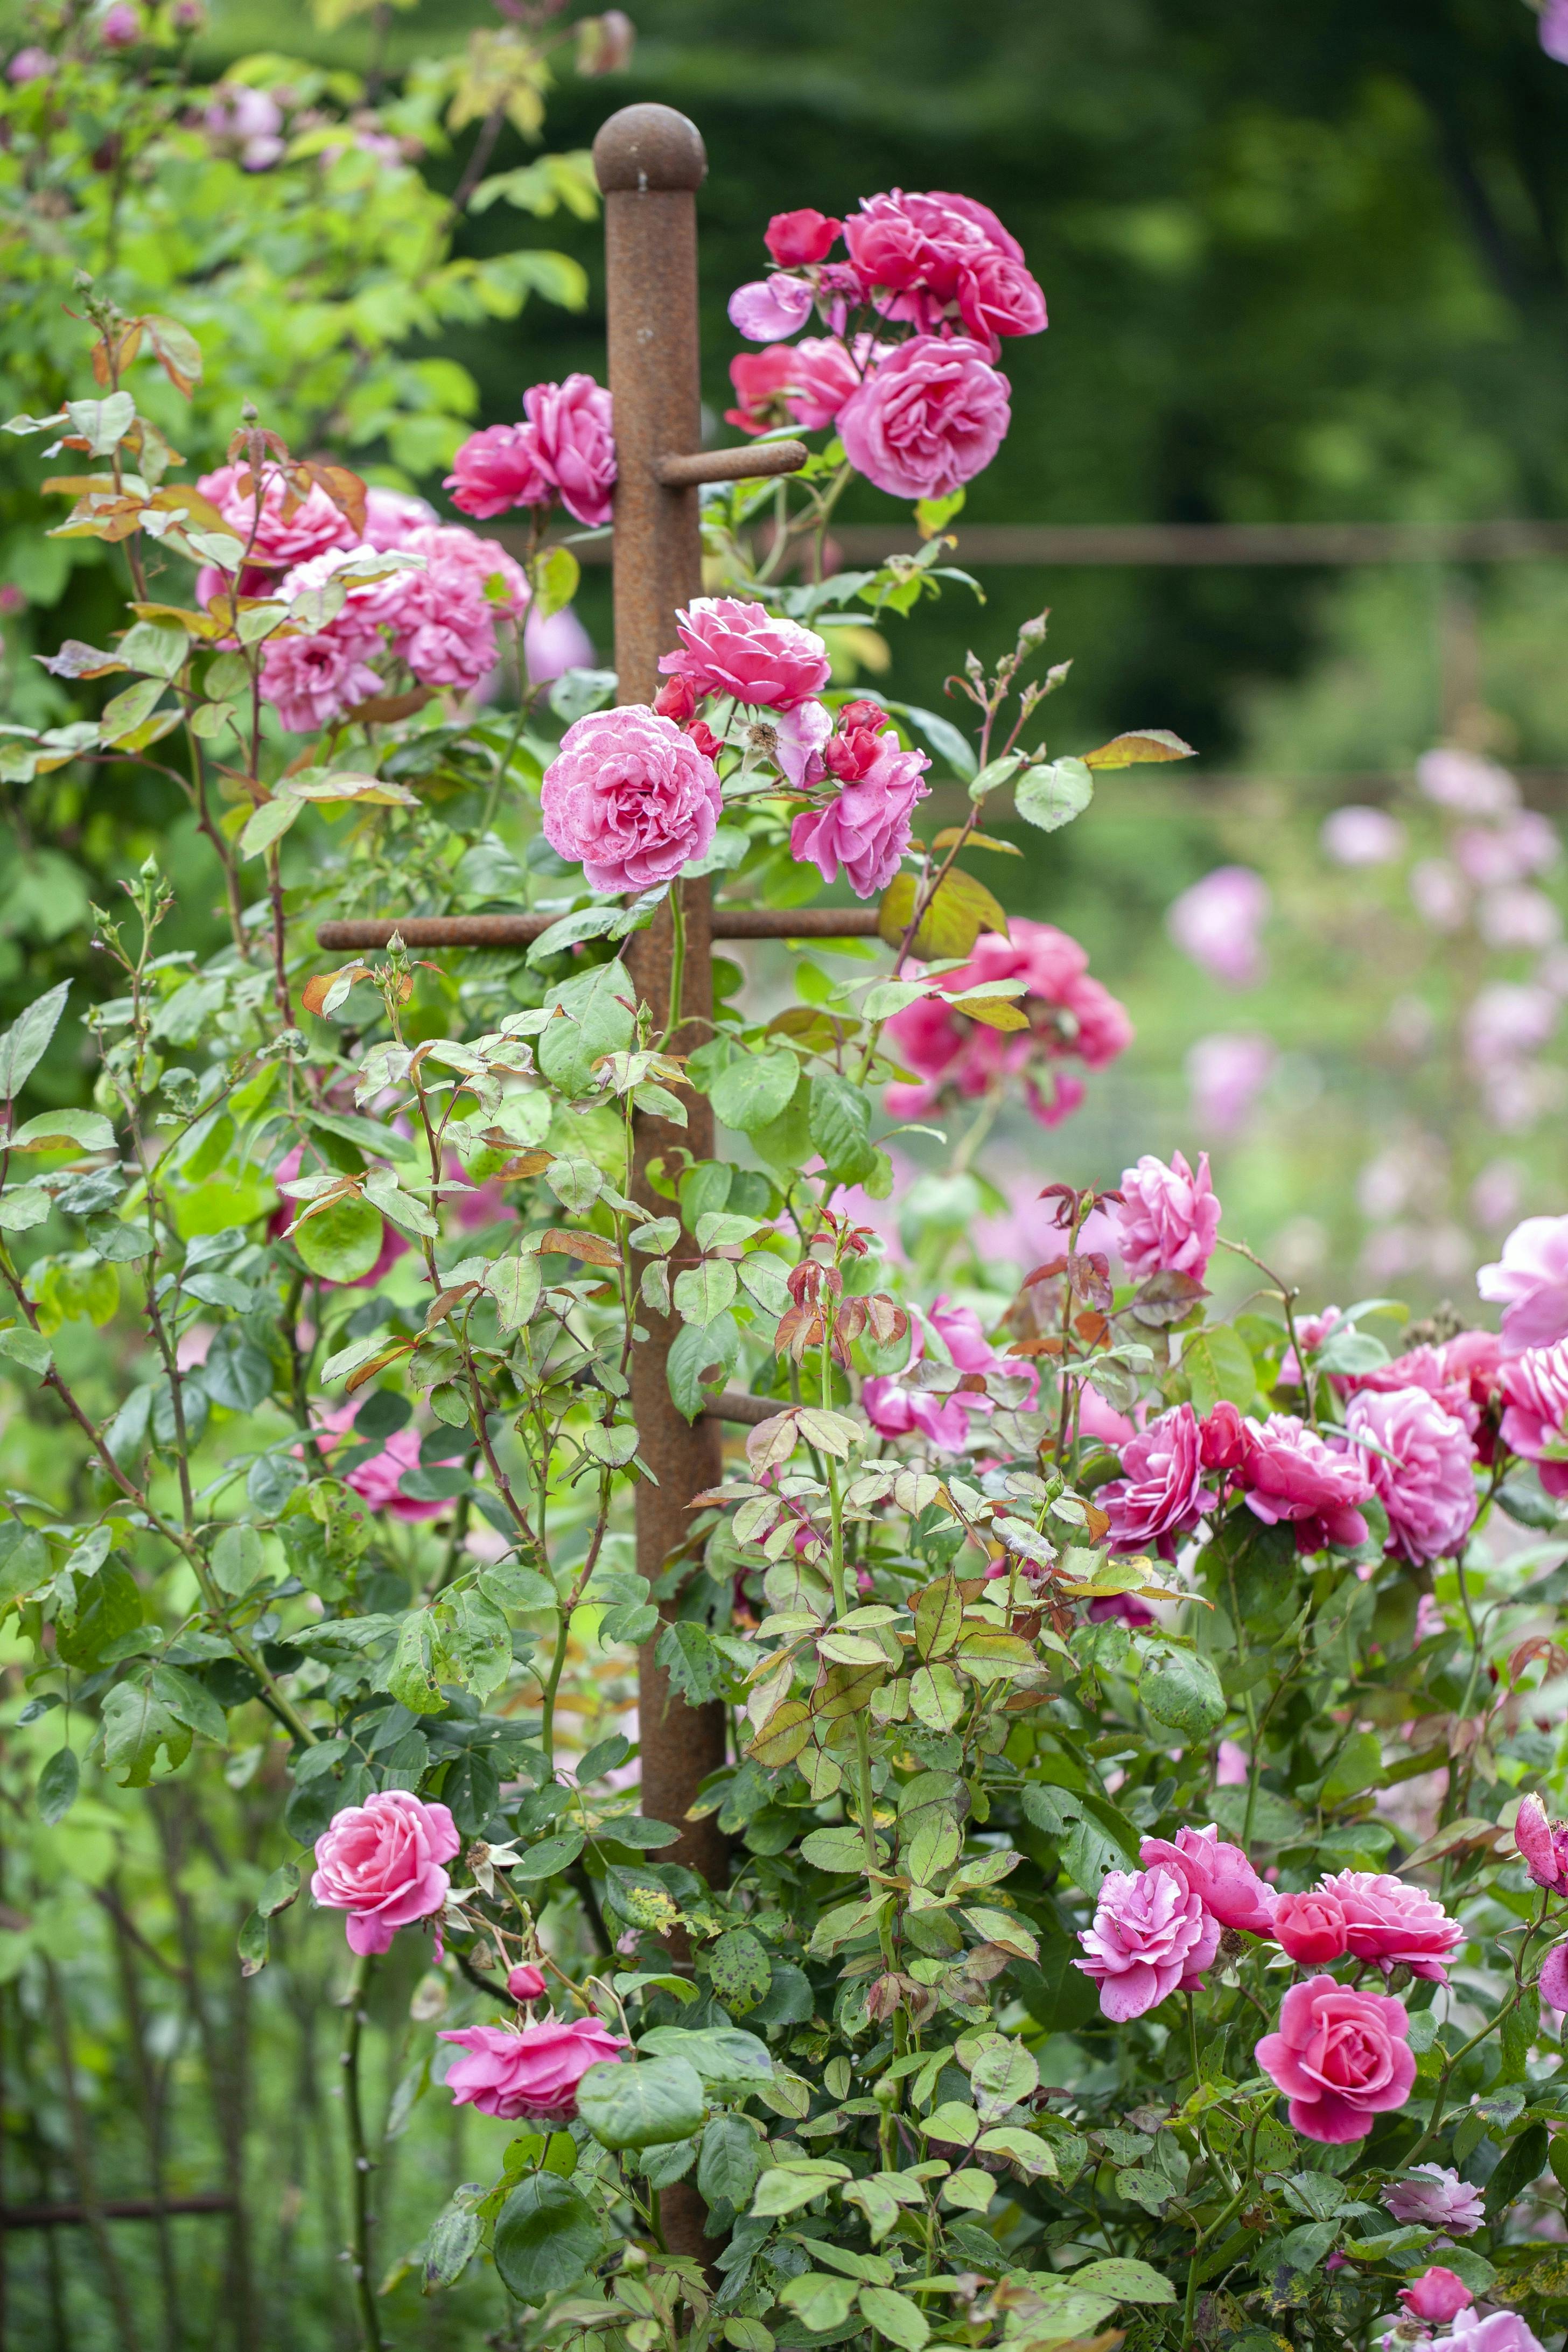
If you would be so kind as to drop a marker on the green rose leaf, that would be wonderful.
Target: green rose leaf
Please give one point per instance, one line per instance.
(641, 2102)
(545, 2237)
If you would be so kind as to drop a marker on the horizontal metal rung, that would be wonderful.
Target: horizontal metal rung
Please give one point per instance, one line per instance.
(753, 465)
(522, 931)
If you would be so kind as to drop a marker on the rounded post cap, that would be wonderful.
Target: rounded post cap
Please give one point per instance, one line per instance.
(649, 147)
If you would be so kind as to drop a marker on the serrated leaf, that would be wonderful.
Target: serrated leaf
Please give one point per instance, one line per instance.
(1144, 745)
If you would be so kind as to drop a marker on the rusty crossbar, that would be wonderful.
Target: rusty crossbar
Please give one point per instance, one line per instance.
(522, 931)
(112, 2209)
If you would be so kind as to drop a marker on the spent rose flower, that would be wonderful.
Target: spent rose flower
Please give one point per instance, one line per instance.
(380, 1862)
(1311, 1928)
(769, 307)
(729, 646)
(1422, 1470)
(1393, 1923)
(1167, 1218)
(1529, 1283)
(865, 830)
(1340, 2056)
(1435, 2295)
(800, 237)
(1288, 1472)
(574, 432)
(1219, 1875)
(1151, 1935)
(525, 1982)
(1542, 1843)
(1217, 922)
(1433, 2197)
(631, 797)
(500, 469)
(534, 2073)
(1160, 1493)
(928, 419)
(1534, 1389)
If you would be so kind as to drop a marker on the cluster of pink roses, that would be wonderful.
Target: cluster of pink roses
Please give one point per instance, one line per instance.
(896, 1409)
(918, 417)
(564, 449)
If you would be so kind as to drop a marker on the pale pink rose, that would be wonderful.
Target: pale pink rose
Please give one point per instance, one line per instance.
(314, 682)
(1219, 1875)
(800, 737)
(391, 516)
(1495, 1194)
(931, 417)
(1542, 1844)
(1433, 2197)
(1311, 1928)
(1160, 1493)
(1354, 835)
(1462, 781)
(1096, 1418)
(1524, 843)
(380, 1862)
(1341, 2057)
(1530, 1282)
(1226, 1071)
(1438, 894)
(631, 797)
(1070, 1014)
(730, 647)
(1423, 1472)
(866, 829)
(552, 646)
(823, 373)
(1151, 1937)
(1499, 2331)
(1435, 2296)
(525, 1982)
(1217, 922)
(1554, 30)
(1554, 1977)
(30, 64)
(1168, 1217)
(459, 562)
(314, 525)
(1518, 917)
(1233, 1766)
(771, 307)
(534, 2073)
(246, 120)
(1288, 1472)
(1390, 1922)
(441, 622)
(802, 237)
(500, 469)
(574, 431)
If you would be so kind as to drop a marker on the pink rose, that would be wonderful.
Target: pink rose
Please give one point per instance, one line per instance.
(391, 516)
(799, 738)
(1354, 835)
(31, 64)
(1530, 1282)
(534, 2073)
(1535, 1409)
(393, 1245)
(313, 527)
(802, 237)
(1288, 1472)
(823, 374)
(1151, 1935)
(380, 1862)
(631, 797)
(997, 296)
(574, 441)
(1554, 30)
(1217, 922)
(897, 1410)
(1393, 1923)
(1219, 1875)
(1423, 1472)
(1499, 2331)
(121, 27)
(866, 830)
(1341, 2057)
(1311, 1928)
(1542, 1844)
(761, 380)
(938, 259)
(1435, 2296)
(314, 682)
(1160, 1493)
(1464, 782)
(499, 469)
(1434, 2197)
(730, 647)
(931, 417)
(378, 1480)
(1167, 1218)
(525, 1982)
(769, 307)
(1554, 1977)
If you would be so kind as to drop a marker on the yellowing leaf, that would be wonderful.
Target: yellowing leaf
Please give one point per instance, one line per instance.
(961, 910)
(995, 1012)
(1144, 745)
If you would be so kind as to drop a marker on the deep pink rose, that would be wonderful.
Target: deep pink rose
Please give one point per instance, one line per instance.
(769, 307)
(1447, 1378)
(631, 797)
(1217, 922)
(866, 829)
(378, 1480)
(1499, 2331)
(930, 418)
(997, 296)
(30, 64)
(1423, 1472)
(1542, 1844)
(895, 1411)
(573, 430)
(1390, 1922)
(730, 647)
(801, 237)
(1160, 1493)
(1069, 1013)
(1341, 2057)
(1530, 1282)
(1151, 1935)
(1435, 2295)
(1311, 1928)
(942, 259)
(1554, 1977)
(1220, 1875)
(823, 374)
(1288, 1472)
(1535, 1409)
(1434, 2196)
(761, 380)
(314, 525)
(380, 1862)
(499, 469)
(121, 27)
(313, 682)
(525, 1982)
(1168, 1217)
(534, 2073)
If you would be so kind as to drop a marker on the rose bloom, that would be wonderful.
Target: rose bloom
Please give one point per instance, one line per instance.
(1310, 1927)
(806, 235)
(534, 2073)
(30, 65)
(895, 1411)
(391, 516)
(525, 1982)
(1530, 1282)
(1463, 782)
(380, 1862)
(1168, 1217)
(1435, 2295)
(1160, 1493)
(1216, 922)
(1151, 1937)
(1219, 1875)
(1393, 1923)
(1499, 2331)
(1433, 2197)
(1354, 835)
(573, 438)
(1542, 1844)
(1535, 1409)
(1288, 1472)
(1554, 1977)
(1341, 2057)
(761, 380)
(866, 830)
(939, 255)
(631, 797)
(1225, 1071)
(931, 417)
(769, 307)
(314, 682)
(499, 469)
(1069, 1013)
(730, 647)
(1423, 1474)
(314, 525)
(1554, 30)
(378, 1480)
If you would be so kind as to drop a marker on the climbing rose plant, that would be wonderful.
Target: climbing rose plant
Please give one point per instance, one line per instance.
(1146, 1918)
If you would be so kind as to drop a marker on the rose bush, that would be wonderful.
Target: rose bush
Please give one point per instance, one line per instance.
(1140, 1767)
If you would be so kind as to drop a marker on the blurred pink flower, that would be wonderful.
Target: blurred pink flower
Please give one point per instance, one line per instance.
(1151, 1935)
(551, 647)
(1225, 1072)
(730, 647)
(930, 418)
(1517, 916)
(1554, 30)
(1529, 1283)
(1467, 783)
(1554, 1977)
(1429, 1620)
(1160, 1493)
(497, 469)
(1508, 1021)
(314, 525)
(1216, 922)
(30, 64)
(1422, 1474)
(895, 1411)
(246, 120)
(771, 307)
(1542, 1844)
(313, 682)
(1434, 2197)
(1233, 1766)
(120, 27)
(1168, 1217)
(390, 518)
(1527, 843)
(1499, 2331)
(392, 1244)
(1495, 1194)
(378, 1481)
(1535, 1409)
(1354, 835)
(1438, 895)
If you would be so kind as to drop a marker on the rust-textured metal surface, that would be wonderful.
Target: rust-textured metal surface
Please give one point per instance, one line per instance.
(756, 464)
(522, 931)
